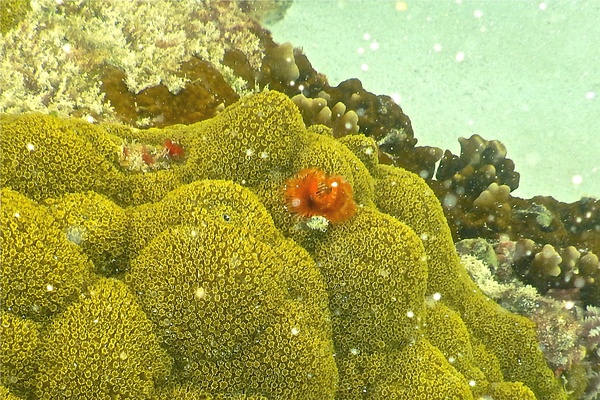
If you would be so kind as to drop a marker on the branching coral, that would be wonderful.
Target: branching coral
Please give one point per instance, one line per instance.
(316, 111)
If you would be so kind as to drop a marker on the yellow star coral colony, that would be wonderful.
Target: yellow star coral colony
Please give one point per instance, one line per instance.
(193, 280)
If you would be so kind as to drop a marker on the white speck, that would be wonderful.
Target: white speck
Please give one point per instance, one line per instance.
(569, 305)
(334, 184)
(90, 119)
(543, 6)
(577, 179)
(472, 383)
(296, 202)
(318, 223)
(288, 59)
(199, 293)
(59, 2)
(360, 50)
(264, 155)
(367, 36)
(437, 296)
(295, 331)
(49, 287)
(95, 321)
(460, 56)
(384, 273)
(364, 67)
(67, 48)
(401, 6)
(396, 97)
(410, 314)
(300, 87)
(194, 233)
(451, 359)
(75, 234)
(450, 200)
(369, 151)
(30, 147)
(579, 282)
(354, 351)
(478, 13)
(348, 126)
(590, 95)
(374, 46)
(437, 47)
(424, 236)
(17, 215)
(249, 152)
(292, 83)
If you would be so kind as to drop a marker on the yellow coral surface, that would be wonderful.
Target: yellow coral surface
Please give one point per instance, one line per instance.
(216, 291)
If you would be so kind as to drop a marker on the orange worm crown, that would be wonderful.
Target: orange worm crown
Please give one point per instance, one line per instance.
(314, 193)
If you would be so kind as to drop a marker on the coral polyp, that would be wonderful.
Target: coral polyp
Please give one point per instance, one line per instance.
(314, 193)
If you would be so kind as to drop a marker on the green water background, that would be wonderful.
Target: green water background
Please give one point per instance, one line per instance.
(529, 75)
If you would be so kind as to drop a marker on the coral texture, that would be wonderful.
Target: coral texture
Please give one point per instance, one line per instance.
(217, 276)
(83, 58)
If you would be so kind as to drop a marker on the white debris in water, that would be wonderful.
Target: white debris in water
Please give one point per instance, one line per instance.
(199, 293)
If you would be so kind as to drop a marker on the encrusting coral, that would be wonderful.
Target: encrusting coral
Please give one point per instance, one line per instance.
(102, 346)
(42, 271)
(196, 58)
(218, 278)
(568, 334)
(20, 340)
